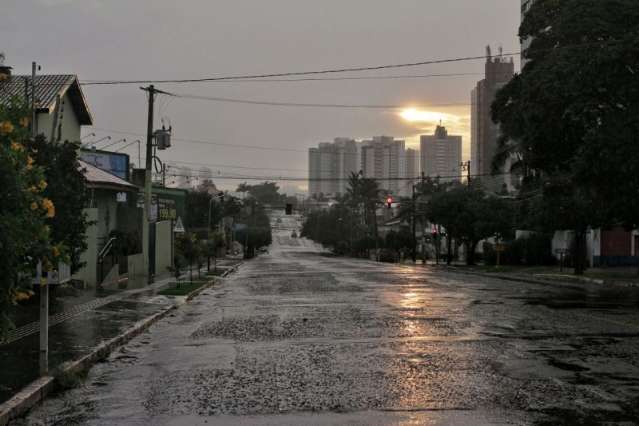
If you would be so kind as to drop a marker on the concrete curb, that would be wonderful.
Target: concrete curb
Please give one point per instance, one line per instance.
(513, 278)
(38, 390)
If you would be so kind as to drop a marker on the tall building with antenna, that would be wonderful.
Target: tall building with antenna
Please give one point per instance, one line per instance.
(484, 133)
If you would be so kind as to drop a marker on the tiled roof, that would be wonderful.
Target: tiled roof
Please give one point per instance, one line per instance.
(99, 178)
(48, 87)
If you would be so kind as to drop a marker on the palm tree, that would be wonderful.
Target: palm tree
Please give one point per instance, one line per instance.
(365, 192)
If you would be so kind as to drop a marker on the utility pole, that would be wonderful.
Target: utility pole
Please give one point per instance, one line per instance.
(44, 284)
(146, 242)
(414, 224)
(34, 112)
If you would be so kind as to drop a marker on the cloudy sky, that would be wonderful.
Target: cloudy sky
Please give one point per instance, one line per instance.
(168, 39)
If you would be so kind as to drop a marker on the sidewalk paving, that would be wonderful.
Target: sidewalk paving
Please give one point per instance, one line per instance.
(75, 332)
(596, 277)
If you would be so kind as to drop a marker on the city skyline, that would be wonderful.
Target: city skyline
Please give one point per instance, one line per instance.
(233, 38)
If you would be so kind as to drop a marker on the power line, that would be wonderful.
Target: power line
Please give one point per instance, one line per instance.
(310, 105)
(296, 73)
(234, 166)
(306, 179)
(230, 145)
(374, 77)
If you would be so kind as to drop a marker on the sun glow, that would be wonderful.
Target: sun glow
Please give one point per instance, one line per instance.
(414, 115)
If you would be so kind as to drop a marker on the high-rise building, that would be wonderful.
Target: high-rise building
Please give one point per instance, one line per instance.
(412, 163)
(330, 165)
(383, 158)
(441, 155)
(484, 133)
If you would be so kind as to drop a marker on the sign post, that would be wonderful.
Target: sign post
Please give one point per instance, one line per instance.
(44, 321)
(499, 248)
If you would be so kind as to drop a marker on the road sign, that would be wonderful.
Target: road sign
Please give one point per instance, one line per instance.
(179, 227)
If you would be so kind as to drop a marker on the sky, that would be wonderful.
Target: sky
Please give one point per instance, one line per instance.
(167, 39)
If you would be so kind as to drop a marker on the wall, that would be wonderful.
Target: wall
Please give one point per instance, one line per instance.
(89, 273)
(163, 247)
(136, 265)
(70, 124)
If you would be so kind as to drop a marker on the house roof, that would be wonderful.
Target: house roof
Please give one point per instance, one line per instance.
(97, 178)
(47, 88)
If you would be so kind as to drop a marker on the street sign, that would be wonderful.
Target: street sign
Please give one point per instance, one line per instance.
(500, 247)
(120, 197)
(179, 227)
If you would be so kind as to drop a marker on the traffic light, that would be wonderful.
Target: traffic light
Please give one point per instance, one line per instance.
(389, 202)
(289, 209)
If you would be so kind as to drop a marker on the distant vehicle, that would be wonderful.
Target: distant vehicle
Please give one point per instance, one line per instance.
(294, 234)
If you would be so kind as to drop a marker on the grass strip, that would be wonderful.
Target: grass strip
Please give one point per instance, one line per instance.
(182, 289)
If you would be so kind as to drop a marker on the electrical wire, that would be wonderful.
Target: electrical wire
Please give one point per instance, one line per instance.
(296, 73)
(306, 179)
(230, 145)
(311, 105)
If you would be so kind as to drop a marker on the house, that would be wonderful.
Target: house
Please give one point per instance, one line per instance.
(61, 108)
(614, 246)
(112, 208)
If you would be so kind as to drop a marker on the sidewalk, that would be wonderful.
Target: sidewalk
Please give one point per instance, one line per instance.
(76, 331)
(552, 276)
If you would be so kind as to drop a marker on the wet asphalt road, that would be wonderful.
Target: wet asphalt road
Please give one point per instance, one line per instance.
(297, 337)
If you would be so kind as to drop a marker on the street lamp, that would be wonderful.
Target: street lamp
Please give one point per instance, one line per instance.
(100, 140)
(114, 143)
(138, 141)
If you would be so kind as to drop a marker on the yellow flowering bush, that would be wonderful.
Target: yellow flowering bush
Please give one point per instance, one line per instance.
(24, 238)
(6, 127)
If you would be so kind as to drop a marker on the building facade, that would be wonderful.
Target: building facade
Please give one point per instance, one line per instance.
(383, 158)
(484, 133)
(412, 163)
(330, 165)
(441, 155)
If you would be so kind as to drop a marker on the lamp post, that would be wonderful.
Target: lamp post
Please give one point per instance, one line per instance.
(87, 136)
(100, 140)
(138, 141)
(114, 143)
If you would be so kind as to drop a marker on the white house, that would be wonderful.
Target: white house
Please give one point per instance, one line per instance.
(60, 103)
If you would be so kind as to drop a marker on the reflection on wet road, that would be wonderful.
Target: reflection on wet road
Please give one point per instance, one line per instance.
(300, 337)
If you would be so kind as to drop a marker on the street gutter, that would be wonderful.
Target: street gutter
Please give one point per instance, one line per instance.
(37, 391)
(522, 279)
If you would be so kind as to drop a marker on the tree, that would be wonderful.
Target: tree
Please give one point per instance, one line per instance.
(469, 215)
(188, 248)
(66, 188)
(197, 210)
(265, 193)
(571, 118)
(365, 192)
(24, 236)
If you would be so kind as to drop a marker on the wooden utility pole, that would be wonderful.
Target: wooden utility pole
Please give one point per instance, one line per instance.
(414, 224)
(44, 287)
(146, 242)
(34, 112)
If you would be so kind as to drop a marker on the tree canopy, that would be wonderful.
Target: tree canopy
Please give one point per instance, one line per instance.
(572, 116)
